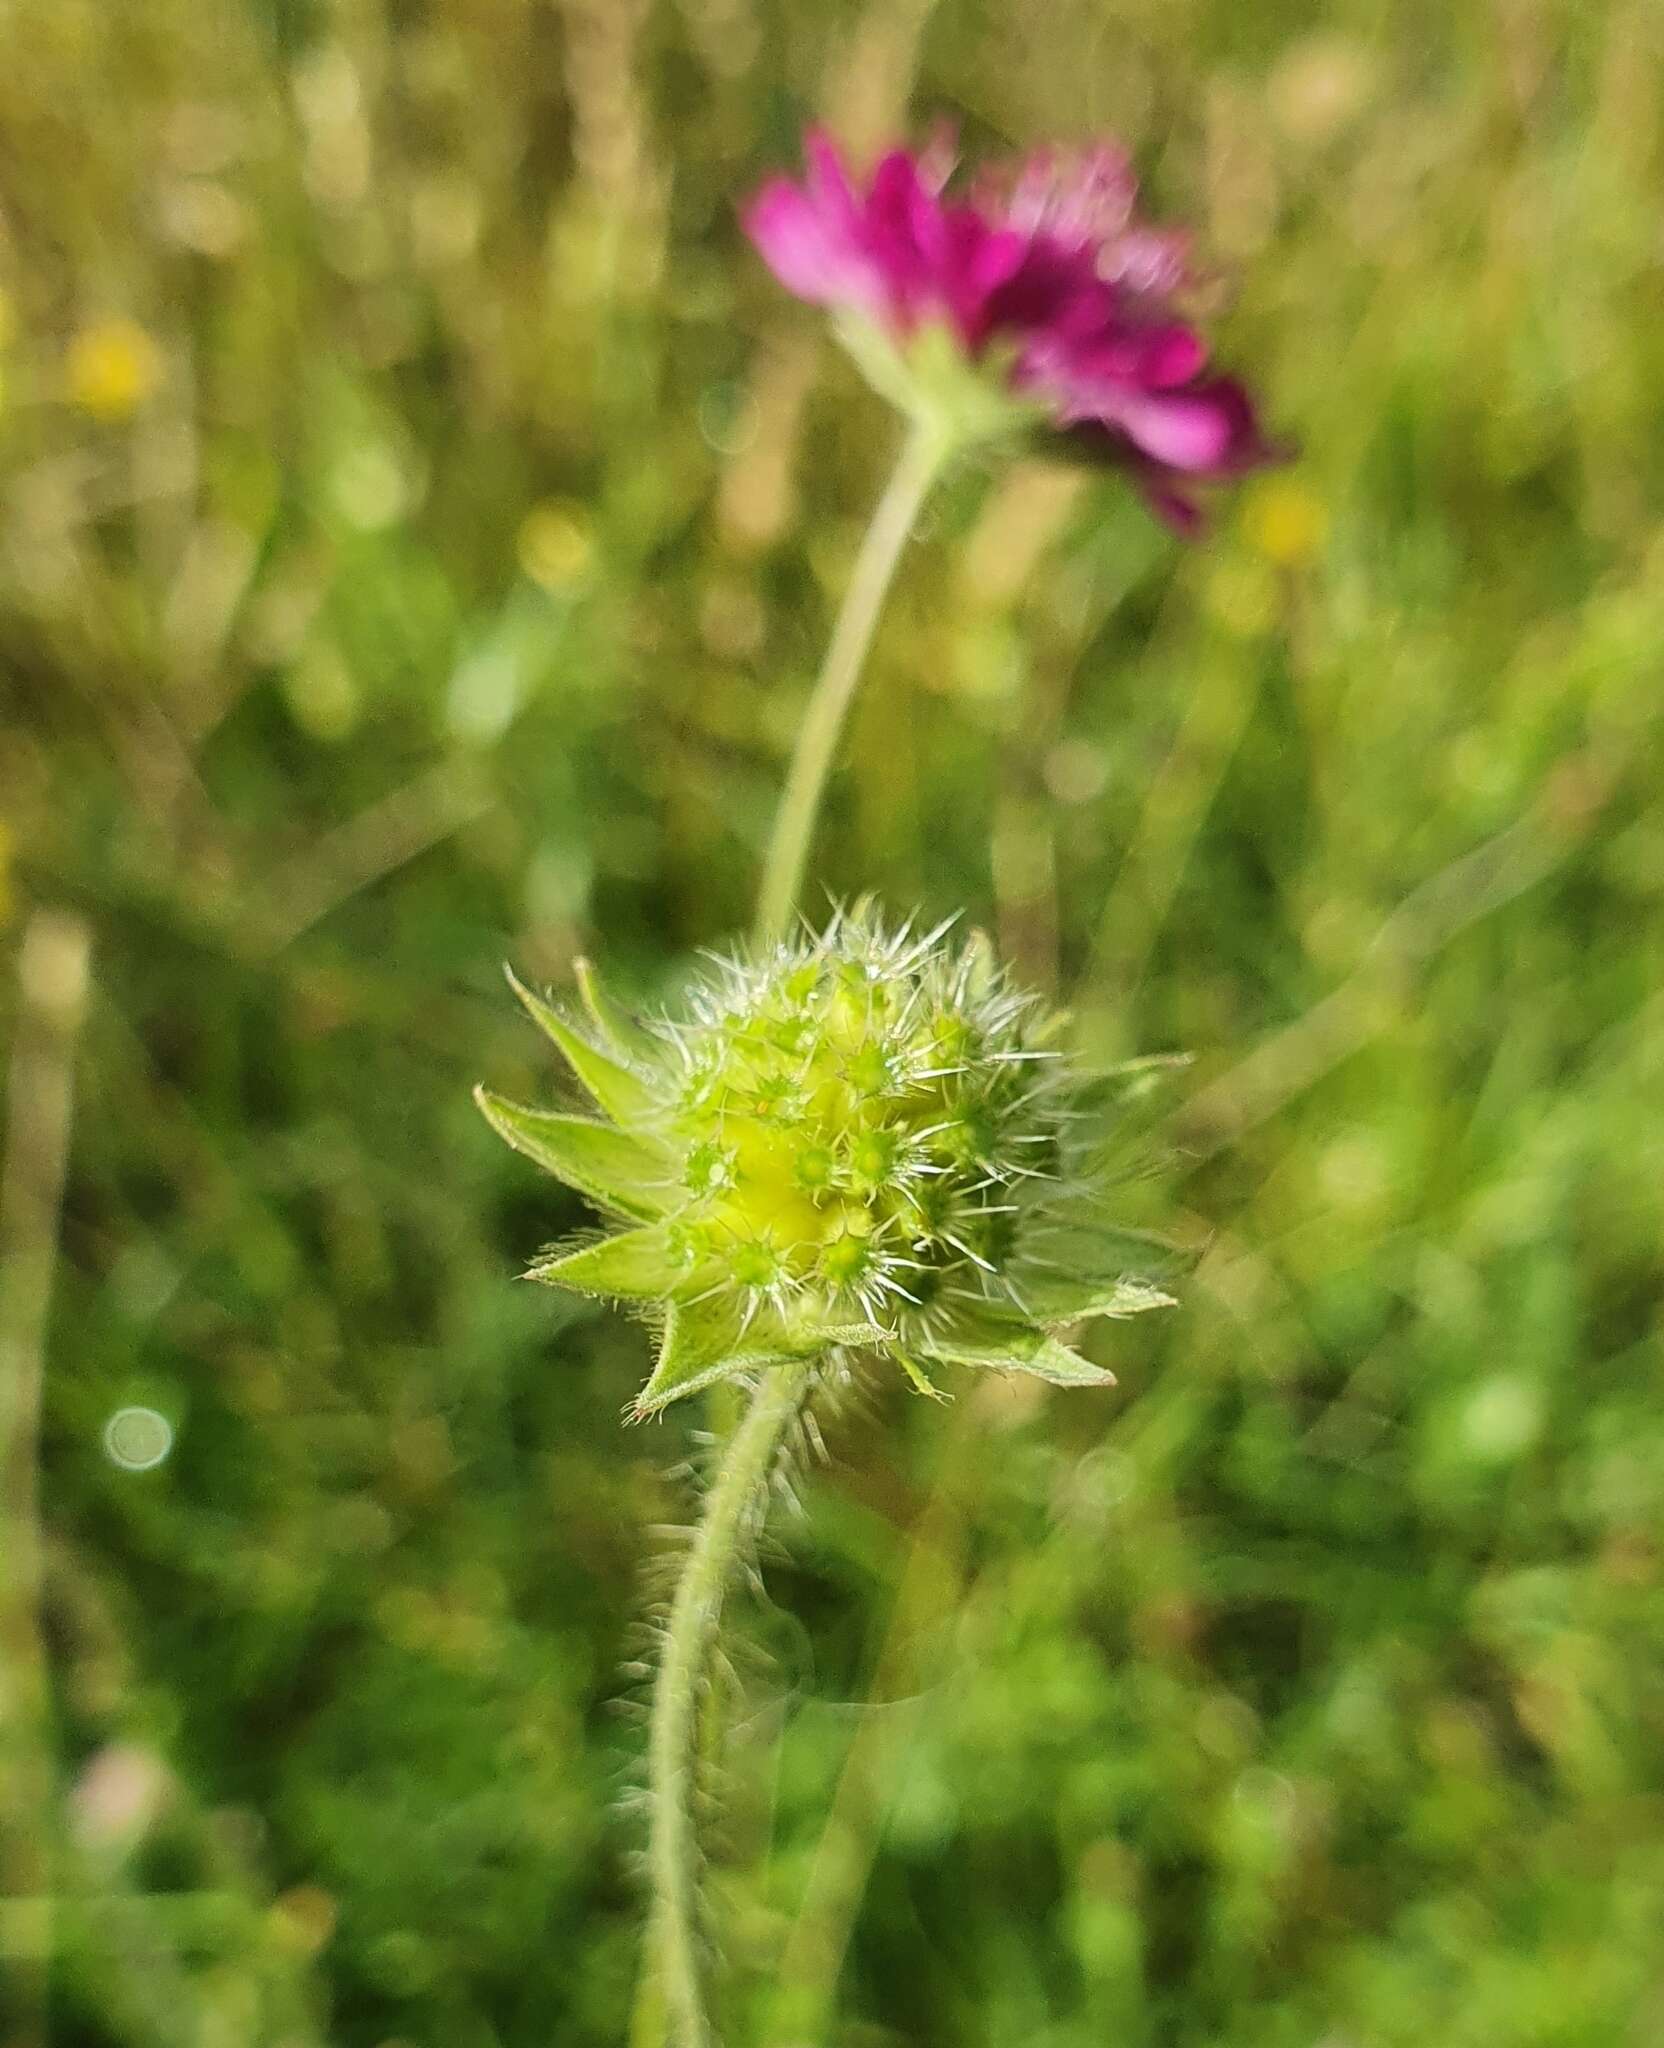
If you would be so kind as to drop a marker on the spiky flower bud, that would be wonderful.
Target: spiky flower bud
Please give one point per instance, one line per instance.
(862, 1140)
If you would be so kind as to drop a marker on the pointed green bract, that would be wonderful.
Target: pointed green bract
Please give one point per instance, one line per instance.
(636, 1265)
(1050, 1360)
(704, 1342)
(620, 1033)
(1002, 1344)
(619, 1172)
(618, 1090)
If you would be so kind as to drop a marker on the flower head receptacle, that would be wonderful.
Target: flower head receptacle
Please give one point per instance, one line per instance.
(865, 1139)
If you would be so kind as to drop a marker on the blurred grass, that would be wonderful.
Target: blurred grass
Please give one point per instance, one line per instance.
(420, 518)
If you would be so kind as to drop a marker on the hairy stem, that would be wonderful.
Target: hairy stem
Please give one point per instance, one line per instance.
(670, 2007)
(733, 1509)
(917, 468)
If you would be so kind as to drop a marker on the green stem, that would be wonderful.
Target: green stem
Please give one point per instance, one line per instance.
(917, 468)
(52, 996)
(734, 1507)
(670, 2005)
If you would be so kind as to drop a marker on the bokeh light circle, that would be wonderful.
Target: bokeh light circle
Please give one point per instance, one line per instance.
(137, 1439)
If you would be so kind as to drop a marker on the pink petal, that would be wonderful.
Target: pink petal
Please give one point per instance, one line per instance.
(996, 259)
(1078, 198)
(1148, 261)
(971, 264)
(905, 234)
(1051, 298)
(1183, 432)
(809, 254)
(901, 204)
(1100, 364)
(828, 181)
(1161, 357)
(1209, 430)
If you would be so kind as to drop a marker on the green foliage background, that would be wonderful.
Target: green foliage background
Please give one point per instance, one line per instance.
(434, 579)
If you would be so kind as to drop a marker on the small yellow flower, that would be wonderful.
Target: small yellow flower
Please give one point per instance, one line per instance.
(111, 368)
(1285, 522)
(554, 545)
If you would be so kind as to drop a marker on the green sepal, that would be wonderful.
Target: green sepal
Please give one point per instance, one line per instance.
(609, 1166)
(998, 1343)
(958, 403)
(620, 1033)
(623, 1094)
(636, 1265)
(704, 1342)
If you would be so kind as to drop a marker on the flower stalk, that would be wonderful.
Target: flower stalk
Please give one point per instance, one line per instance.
(923, 455)
(734, 1509)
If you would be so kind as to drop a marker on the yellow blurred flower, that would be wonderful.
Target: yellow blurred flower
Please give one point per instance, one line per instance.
(111, 368)
(1284, 522)
(554, 545)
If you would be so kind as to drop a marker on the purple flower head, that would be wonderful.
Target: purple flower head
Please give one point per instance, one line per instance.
(1038, 298)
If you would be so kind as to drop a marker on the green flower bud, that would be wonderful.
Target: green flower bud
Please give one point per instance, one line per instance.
(866, 1139)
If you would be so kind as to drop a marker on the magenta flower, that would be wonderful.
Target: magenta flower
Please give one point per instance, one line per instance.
(1043, 281)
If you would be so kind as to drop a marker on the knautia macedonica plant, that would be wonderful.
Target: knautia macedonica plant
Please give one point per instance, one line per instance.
(864, 1143)
(864, 1139)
